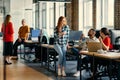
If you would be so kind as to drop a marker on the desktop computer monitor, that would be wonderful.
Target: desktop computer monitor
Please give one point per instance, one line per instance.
(35, 34)
(75, 35)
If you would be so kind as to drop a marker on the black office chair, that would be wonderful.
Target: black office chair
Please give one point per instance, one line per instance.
(117, 43)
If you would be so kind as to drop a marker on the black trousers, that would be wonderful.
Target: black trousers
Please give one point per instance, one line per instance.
(15, 46)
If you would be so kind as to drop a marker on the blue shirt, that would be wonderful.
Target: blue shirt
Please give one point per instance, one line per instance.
(61, 40)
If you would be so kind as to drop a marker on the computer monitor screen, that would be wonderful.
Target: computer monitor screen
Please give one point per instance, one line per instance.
(75, 35)
(35, 33)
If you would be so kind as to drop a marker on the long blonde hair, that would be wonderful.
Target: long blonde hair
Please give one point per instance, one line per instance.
(7, 19)
(60, 23)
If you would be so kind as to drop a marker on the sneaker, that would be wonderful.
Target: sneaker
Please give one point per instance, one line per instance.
(77, 74)
(59, 72)
(63, 73)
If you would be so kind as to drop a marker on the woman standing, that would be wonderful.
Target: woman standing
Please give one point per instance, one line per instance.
(61, 35)
(7, 30)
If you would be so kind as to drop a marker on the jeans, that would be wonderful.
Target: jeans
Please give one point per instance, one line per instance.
(76, 53)
(61, 50)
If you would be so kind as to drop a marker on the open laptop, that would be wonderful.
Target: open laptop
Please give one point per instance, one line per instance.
(94, 46)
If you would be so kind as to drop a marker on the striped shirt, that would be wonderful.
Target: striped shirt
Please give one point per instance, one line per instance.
(61, 40)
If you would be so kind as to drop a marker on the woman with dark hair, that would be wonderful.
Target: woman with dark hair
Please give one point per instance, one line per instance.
(61, 34)
(105, 39)
(7, 30)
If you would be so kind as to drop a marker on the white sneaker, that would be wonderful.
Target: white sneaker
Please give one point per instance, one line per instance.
(77, 74)
(63, 73)
(59, 72)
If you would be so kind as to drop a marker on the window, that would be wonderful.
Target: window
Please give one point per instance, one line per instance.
(62, 9)
(44, 15)
(36, 16)
(105, 13)
(85, 15)
(51, 15)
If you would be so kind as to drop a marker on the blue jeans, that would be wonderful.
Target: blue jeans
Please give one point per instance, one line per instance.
(61, 50)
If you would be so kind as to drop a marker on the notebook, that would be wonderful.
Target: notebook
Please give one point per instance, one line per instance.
(94, 46)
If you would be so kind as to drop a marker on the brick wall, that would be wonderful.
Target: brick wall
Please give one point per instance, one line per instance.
(94, 14)
(69, 14)
(75, 15)
(117, 14)
(72, 14)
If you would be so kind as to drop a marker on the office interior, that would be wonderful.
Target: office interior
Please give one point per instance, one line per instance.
(81, 15)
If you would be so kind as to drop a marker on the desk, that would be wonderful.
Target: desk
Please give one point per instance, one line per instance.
(108, 55)
(50, 48)
(31, 44)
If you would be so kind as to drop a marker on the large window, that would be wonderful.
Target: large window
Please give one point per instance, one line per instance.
(51, 15)
(105, 13)
(85, 15)
(44, 15)
(36, 15)
(62, 9)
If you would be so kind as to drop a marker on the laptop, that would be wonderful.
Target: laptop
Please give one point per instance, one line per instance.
(94, 46)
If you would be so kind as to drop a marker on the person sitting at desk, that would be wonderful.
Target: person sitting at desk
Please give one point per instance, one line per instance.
(106, 45)
(105, 39)
(23, 35)
(91, 38)
(43, 39)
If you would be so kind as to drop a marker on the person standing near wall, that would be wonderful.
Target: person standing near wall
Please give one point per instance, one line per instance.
(23, 35)
(61, 35)
(8, 31)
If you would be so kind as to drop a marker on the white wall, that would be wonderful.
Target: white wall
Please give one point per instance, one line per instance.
(6, 6)
(20, 9)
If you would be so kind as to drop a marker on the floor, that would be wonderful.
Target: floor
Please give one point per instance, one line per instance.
(22, 70)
